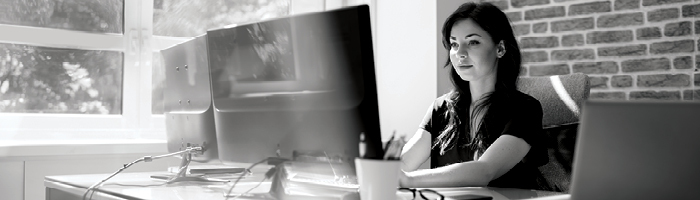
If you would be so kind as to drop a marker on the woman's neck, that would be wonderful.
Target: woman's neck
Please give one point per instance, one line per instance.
(479, 88)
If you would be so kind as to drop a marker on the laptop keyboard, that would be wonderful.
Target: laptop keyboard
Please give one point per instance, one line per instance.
(347, 183)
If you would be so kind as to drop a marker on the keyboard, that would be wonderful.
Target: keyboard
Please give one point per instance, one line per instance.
(346, 183)
(299, 180)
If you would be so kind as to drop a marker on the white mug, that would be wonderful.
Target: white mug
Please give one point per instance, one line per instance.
(378, 179)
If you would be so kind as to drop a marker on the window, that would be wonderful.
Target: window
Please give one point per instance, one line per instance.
(62, 67)
(38, 79)
(74, 69)
(35, 78)
(99, 16)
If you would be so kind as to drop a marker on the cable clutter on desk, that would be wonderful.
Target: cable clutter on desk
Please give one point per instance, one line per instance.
(186, 152)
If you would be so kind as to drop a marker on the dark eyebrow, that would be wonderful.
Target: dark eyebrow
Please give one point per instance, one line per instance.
(473, 34)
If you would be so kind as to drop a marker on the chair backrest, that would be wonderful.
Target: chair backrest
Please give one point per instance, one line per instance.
(561, 98)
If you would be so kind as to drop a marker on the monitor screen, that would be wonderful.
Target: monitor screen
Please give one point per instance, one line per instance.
(257, 53)
(294, 87)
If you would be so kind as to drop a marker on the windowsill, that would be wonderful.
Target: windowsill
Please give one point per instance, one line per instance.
(26, 148)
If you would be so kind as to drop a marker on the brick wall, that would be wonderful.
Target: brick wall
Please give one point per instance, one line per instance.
(630, 49)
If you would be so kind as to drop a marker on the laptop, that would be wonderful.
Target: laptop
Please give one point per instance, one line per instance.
(637, 150)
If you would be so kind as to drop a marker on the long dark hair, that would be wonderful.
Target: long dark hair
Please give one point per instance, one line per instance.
(496, 24)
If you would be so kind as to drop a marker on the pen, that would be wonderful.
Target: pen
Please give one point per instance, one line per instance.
(388, 144)
(394, 151)
(393, 148)
(399, 147)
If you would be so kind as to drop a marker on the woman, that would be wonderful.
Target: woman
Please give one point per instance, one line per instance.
(484, 132)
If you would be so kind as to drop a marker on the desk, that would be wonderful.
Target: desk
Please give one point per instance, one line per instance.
(141, 186)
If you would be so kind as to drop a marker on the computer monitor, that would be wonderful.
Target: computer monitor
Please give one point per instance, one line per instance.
(295, 86)
(188, 108)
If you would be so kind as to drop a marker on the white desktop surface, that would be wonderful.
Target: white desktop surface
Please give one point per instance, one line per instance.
(134, 186)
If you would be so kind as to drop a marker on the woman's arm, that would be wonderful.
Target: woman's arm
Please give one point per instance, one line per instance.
(416, 151)
(498, 159)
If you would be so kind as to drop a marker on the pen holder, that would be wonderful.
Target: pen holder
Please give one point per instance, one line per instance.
(378, 179)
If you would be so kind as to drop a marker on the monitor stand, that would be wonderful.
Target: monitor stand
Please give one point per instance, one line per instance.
(182, 176)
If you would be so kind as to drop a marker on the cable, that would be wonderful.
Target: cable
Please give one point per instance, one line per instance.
(143, 159)
(246, 192)
(228, 193)
(94, 186)
(328, 158)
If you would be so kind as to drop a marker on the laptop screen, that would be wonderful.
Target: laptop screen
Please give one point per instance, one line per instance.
(637, 150)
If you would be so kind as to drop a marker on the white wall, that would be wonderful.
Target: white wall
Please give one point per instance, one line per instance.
(405, 63)
(12, 179)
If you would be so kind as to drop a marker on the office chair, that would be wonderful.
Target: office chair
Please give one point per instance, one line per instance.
(561, 98)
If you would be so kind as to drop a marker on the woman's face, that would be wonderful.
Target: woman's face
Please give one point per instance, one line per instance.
(472, 51)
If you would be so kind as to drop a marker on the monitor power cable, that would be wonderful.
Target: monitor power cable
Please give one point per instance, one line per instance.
(268, 175)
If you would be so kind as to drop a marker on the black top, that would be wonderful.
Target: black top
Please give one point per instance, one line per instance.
(520, 116)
